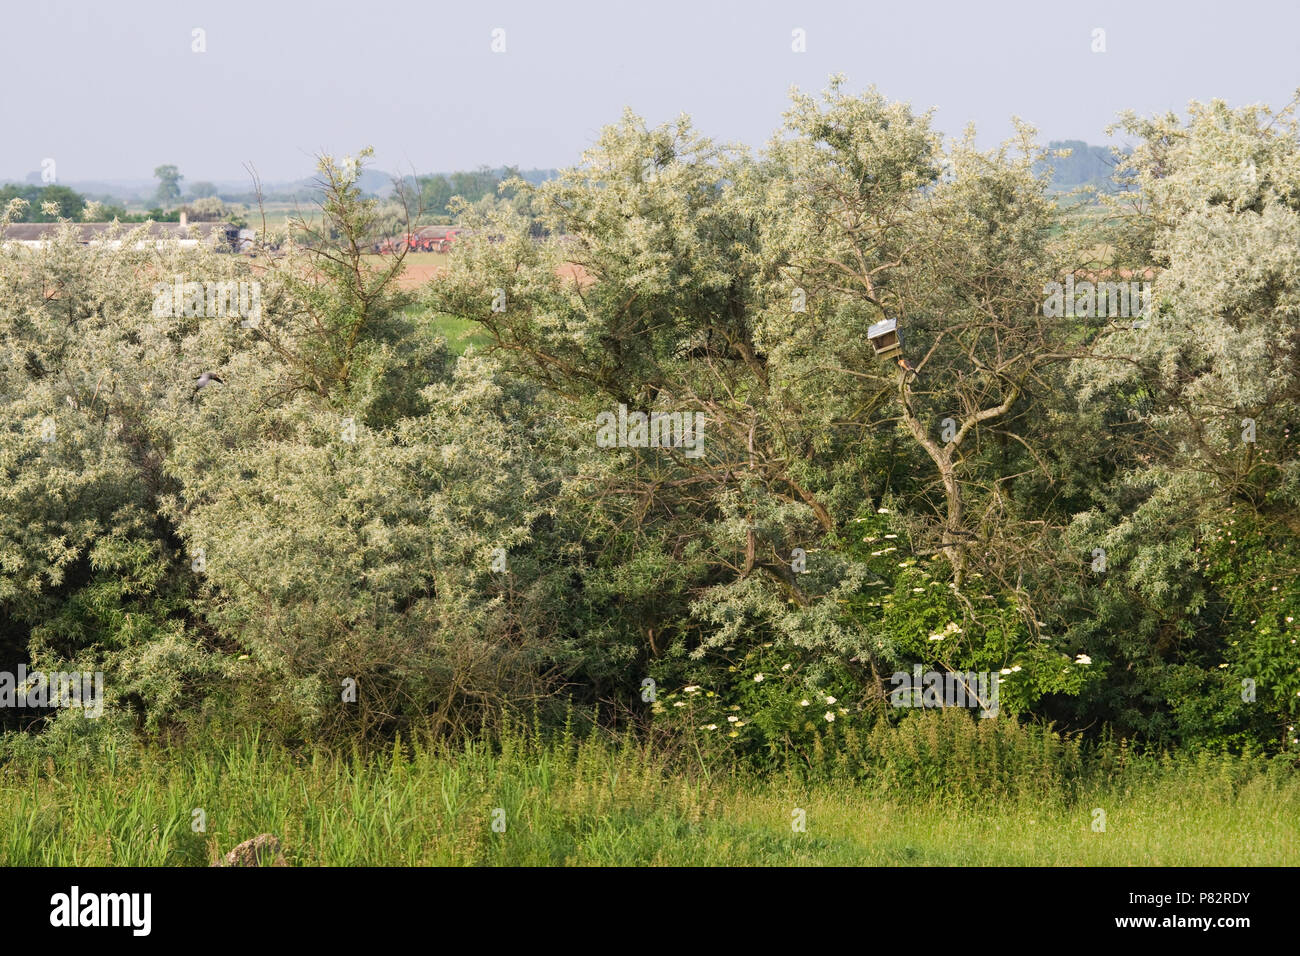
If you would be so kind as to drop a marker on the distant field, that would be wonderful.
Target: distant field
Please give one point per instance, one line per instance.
(277, 215)
(460, 333)
(419, 267)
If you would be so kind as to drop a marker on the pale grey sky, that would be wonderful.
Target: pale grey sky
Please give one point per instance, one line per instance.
(112, 89)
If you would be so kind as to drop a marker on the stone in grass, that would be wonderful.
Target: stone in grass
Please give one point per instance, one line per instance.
(262, 850)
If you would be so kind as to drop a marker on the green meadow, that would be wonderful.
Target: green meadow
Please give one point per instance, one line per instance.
(603, 801)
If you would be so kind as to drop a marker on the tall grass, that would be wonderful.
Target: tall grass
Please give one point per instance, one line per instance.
(930, 791)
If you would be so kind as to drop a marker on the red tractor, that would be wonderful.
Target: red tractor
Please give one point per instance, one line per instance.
(431, 239)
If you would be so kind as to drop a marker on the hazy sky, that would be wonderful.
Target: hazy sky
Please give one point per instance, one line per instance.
(112, 89)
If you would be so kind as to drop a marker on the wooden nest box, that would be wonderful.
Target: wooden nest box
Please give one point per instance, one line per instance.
(884, 338)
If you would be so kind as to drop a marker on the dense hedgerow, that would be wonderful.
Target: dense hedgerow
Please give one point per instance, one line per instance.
(359, 533)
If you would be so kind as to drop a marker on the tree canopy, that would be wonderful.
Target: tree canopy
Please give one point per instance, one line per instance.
(680, 458)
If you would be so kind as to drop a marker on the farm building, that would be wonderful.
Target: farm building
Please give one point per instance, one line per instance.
(36, 234)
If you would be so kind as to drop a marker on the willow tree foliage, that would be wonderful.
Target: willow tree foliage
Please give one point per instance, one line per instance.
(740, 289)
(680, 458)
(308, 541)
(1199, 410)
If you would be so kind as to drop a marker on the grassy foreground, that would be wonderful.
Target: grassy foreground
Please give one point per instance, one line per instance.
(603, 803)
